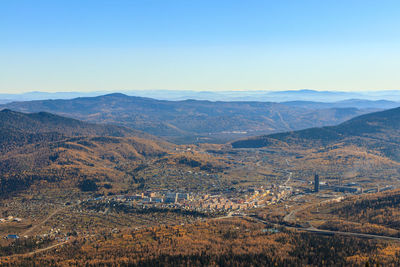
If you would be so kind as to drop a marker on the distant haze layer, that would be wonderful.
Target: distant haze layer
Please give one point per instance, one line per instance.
(268, 96)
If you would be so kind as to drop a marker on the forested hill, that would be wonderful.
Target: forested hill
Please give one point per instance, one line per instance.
(18, 129)
(47, 147)
(190, 120)
(378, 130)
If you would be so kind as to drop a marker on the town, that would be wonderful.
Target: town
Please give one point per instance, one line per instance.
(242, 200)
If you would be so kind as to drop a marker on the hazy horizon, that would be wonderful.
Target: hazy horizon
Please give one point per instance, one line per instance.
(191, 90)
(231, 95)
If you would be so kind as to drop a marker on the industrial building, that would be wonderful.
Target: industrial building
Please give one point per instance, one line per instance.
(316, 183)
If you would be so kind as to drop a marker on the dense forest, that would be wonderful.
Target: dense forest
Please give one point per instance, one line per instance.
(380, 212)
(220, 243)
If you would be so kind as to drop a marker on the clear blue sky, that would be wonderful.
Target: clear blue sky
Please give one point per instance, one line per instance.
(199, 45)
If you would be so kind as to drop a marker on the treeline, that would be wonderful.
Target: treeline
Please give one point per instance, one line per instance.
(120, 207)
(205, 164)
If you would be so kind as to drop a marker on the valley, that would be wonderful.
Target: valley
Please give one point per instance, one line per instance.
(199, 133)
(196, 121)
(70, 187)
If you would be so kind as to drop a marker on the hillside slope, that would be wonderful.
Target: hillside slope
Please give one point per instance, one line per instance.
(50, 151)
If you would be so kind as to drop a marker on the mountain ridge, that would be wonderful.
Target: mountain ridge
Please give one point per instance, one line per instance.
(275, 96)
(189, 120)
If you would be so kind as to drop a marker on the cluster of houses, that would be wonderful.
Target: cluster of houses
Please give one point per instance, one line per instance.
(218, 202)
(203, 202)
(153, 198)
(10, 219)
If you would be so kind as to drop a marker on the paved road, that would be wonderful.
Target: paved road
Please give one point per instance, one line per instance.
(329, 232)
(288, 179)
(321, 231)
(291, 216)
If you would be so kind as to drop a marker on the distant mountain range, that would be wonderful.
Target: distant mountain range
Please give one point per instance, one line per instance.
(266, 96)
(350, 103)
(378, 131)
(190, 121)
(7, 98)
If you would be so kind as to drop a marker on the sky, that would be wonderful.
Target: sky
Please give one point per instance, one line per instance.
(75, 45)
